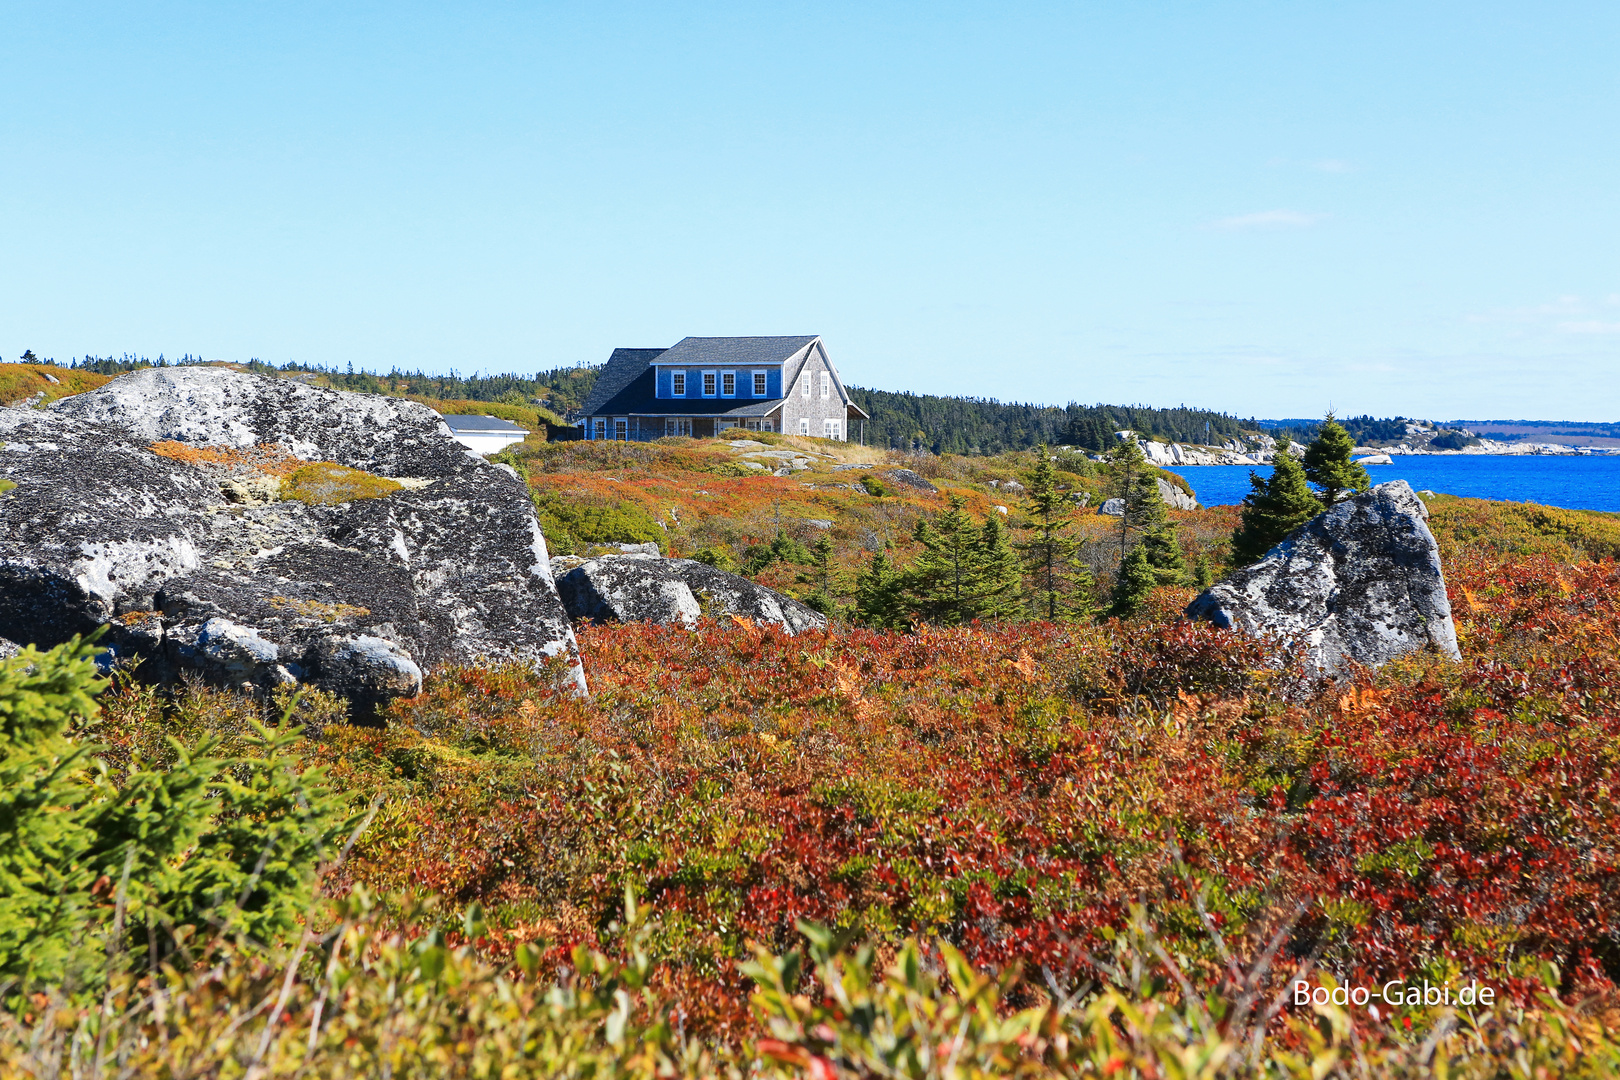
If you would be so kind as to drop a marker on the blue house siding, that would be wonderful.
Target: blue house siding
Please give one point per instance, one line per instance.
(694, 383)
(636, 389)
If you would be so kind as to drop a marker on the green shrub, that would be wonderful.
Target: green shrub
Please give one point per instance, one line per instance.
(717, 556)
(569, 524)
(874, 487)
(782, 548)
(94, 866)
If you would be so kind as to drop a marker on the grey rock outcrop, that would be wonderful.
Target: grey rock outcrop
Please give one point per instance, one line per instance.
(1361, 583)
(910, 479)
(199, 566)
(1174, 497)
(1112, 507)
(634, 588)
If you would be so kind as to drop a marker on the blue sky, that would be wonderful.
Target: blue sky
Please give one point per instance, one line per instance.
(1265, 208)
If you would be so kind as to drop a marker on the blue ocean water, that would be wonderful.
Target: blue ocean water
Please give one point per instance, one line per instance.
(1576, 483)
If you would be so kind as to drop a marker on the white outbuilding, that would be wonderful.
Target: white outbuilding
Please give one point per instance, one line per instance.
(484, 434)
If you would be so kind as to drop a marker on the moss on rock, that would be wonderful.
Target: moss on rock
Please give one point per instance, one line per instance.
(326, 483)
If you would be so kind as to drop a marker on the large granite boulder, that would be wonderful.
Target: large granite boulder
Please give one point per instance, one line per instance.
(639, 588)
(154, 505)
(1173, 496)
(1359, 583)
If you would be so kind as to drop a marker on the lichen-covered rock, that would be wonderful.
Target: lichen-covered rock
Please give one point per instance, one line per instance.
(634, 588)
(1112, 507)
(1361, 583)
(628, 589)
(198, 564)
(910, 479)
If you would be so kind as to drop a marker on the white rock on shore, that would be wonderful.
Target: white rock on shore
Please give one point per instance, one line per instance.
(1172, 455)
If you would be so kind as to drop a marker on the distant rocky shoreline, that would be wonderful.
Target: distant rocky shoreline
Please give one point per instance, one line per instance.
(1173, 455)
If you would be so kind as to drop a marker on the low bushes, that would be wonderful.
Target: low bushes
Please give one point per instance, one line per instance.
(1027, 849)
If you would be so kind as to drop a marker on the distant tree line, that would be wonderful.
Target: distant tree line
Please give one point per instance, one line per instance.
(1367, 431)
(107, 365)
(899, 420)
(559, 389)
(963, 425)
(1370, 431)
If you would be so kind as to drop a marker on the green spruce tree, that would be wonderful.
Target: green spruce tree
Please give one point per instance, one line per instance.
(1000, 593)
(1137, 485)
(1328, 464)
(190, 843)
(1129, 467)
(1063, 587)
(880, 594)
(1136, 581)
(822, 578)
(1158, 533)
(1273, 508)
(946, 580)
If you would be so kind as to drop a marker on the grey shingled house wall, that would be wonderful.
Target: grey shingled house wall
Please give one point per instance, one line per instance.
(815, 408)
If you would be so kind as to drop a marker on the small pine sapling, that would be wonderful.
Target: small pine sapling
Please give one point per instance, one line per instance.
(1000, 593)
(1273, 508)
(823, 578)
(1328, 464)
(1063, 587)
(1136, 581)
(880, 594)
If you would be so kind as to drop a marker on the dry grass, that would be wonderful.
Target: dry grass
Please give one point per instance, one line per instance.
(19, 382)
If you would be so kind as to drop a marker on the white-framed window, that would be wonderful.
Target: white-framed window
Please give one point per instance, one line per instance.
(708, 384)
(831, 428)
(677, 425)
(826, 384)
(621, 429)
(805, 384)
(804, 421)
(728, 384)
(759, 384)
(677, 383)
(601, 428)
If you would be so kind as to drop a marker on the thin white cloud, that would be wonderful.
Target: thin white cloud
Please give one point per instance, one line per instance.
(1267, 219)
(1565, 307)
(1590, 326)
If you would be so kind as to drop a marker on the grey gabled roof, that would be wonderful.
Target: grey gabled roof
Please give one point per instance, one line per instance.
(734, 351)
(468, 422)
(617, 374)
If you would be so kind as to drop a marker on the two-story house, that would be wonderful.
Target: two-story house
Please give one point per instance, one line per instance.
(704, 386)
